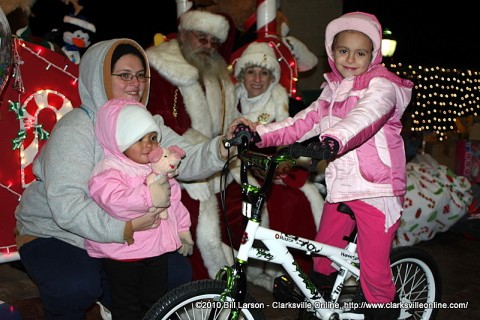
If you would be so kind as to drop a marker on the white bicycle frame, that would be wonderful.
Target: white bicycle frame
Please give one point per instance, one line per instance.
(346, 261)
(417, 276)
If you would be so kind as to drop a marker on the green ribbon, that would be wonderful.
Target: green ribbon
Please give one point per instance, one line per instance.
(18, 141)
(41, 133)
(19, 110)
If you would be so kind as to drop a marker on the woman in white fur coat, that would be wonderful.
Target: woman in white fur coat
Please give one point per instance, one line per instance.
(294, 205)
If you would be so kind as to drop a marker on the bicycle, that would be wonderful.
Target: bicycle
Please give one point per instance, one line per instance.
(414, 271)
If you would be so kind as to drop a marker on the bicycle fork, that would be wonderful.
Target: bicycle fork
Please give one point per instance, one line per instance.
(236, 287)
(236, 278)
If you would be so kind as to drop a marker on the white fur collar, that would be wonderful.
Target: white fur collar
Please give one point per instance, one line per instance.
(203, 108)
(168, 60)
(276, 105)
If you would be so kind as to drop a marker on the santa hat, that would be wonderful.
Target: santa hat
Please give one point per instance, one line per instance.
(258, 54)
(203, 21)
(134, 122)
(359, 21)
(79, 22)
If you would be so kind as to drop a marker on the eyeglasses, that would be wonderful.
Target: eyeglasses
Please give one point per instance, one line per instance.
(126, 76)
(204, 39)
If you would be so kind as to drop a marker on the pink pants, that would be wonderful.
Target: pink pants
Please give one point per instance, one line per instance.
(373, 245)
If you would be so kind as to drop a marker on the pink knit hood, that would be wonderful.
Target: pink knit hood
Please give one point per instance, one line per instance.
(359, 21)
(120, 123)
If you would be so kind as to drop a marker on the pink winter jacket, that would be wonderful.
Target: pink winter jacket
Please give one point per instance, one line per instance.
(363, 114)
(118, 186)
(366, 123)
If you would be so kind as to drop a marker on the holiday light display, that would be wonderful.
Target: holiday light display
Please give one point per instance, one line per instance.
(441, 95)
(41, 89)
(5, 50)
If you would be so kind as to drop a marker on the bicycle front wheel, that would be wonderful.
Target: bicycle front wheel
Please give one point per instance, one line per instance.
(418, 282)
(198, 300)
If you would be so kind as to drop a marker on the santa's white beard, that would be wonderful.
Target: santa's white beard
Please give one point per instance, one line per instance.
(208, 64)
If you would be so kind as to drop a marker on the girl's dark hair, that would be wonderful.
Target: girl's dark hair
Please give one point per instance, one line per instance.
(126, 48)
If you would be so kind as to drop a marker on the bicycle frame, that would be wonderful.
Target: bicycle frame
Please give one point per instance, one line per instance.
(278, 244)
(415, 273)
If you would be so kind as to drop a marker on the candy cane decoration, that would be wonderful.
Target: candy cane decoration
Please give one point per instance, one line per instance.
(33, 105)
(183, 6)
(266, 18)
(267, 32)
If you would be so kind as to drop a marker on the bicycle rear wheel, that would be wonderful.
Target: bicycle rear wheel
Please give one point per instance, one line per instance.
(418, 282)
(196, 300)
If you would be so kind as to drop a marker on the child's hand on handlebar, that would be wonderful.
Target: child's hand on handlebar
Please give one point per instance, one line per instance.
(327, 146)
(230, 134)
(243, 133)
(239, 121)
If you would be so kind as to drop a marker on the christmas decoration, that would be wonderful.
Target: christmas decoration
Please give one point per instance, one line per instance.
(261, 21)
(441, 96)
(41, 89)
(77, 36)
(5, 50)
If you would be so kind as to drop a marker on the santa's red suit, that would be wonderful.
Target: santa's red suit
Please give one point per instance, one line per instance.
(198, 112)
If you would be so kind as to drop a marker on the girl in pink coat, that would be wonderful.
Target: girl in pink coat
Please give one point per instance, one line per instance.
(137, 273)
(357, 118)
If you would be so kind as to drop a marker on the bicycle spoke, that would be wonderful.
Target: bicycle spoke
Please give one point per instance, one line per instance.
(416, 278)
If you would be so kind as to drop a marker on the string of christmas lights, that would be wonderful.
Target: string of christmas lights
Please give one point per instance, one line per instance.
(440, 97)
(291, 66)
(9, 253)
(49, 63)
(8, 188)
(29, 104)
(8, 249)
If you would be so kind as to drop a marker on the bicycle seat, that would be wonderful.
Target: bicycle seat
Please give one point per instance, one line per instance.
(343, 208)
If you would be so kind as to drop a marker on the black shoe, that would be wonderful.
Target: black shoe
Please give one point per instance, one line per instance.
(358, 300)
(323, 283)
(384, 313)
(375, 313)
(284, 290)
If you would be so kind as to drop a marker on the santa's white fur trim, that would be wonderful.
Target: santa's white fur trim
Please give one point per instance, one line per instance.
(209, 237)
(316, 201)
(213, 24)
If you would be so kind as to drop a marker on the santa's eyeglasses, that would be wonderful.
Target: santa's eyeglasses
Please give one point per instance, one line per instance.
(205, 38)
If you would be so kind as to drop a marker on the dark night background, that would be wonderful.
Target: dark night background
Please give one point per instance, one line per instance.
(429, 32)
(138, 19)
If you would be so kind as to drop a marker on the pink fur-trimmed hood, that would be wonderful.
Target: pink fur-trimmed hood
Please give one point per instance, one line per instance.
(359, 21)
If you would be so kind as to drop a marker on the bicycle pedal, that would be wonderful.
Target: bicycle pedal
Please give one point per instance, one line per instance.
(284, 290)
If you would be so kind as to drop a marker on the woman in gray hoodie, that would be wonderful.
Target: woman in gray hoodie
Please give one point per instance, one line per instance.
(56, 213)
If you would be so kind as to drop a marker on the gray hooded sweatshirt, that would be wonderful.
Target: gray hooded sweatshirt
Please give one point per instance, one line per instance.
(58, 204)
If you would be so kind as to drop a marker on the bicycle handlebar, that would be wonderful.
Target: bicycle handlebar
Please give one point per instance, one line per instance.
(314, 150)
(244, 137)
